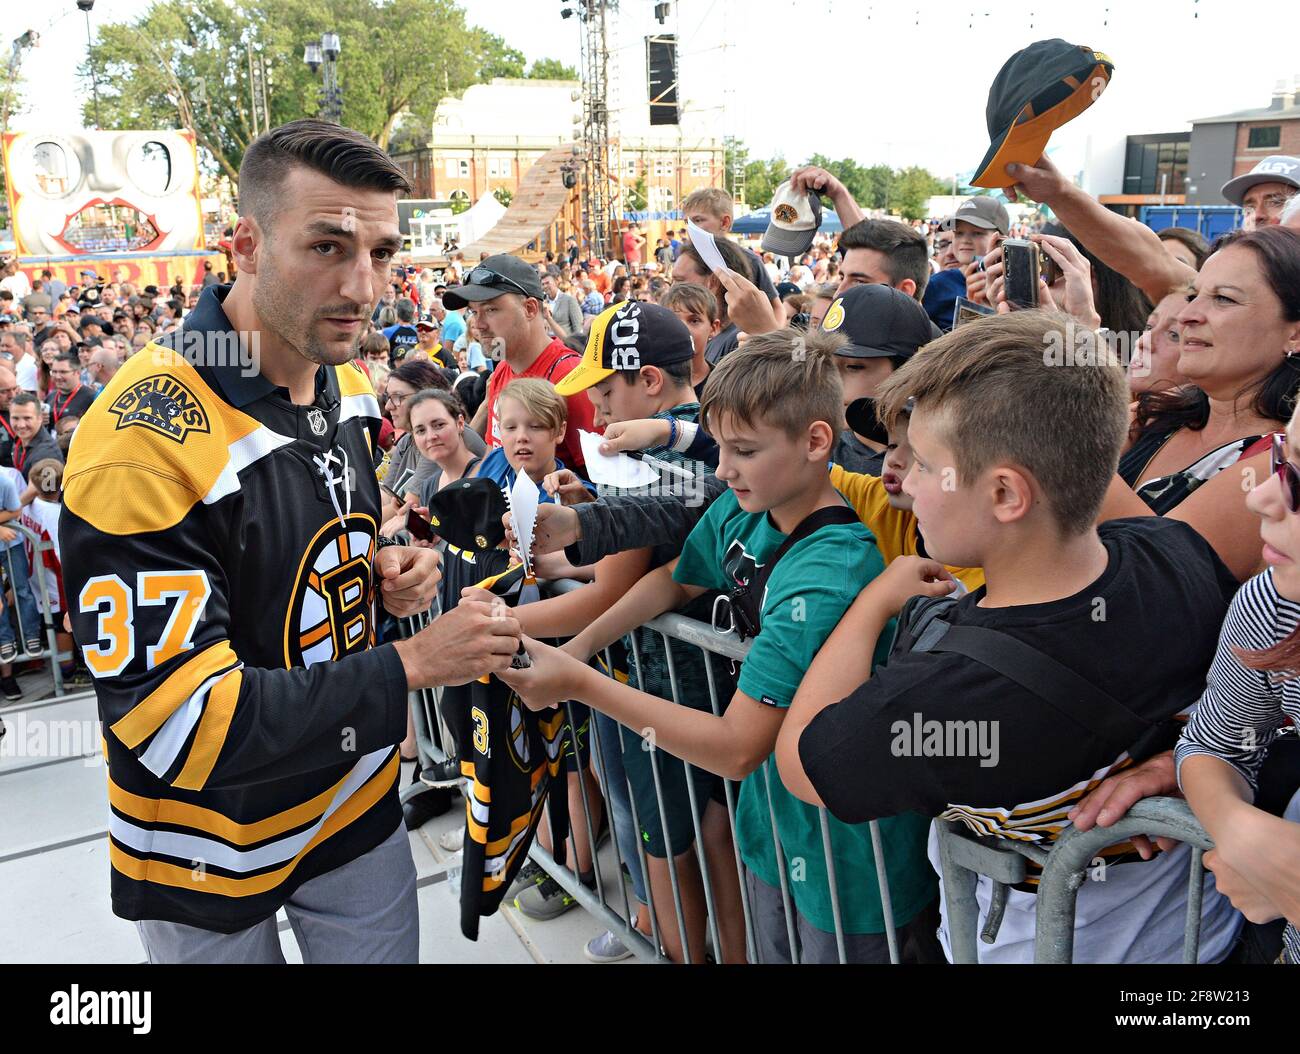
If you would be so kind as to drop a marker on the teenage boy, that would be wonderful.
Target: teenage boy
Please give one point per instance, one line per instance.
(1011, 460)
(711, 209)
(638, 365)
(775, 415)
(884, 328)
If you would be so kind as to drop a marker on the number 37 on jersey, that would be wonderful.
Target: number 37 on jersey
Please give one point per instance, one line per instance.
(115, 602)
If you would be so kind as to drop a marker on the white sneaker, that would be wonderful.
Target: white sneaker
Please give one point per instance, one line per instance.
(607, 948)
(453, 841)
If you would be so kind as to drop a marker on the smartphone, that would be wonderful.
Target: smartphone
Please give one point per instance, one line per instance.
(1050, 268)
(1020, 272)
(419, 528)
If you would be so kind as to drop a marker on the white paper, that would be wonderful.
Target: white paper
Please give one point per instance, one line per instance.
(613, 470)
(703, 242)
(523, 514)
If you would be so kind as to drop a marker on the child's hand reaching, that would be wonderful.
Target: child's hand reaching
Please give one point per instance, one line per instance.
(567, 487)
(550, 680)
(635, 435)
(909, 576)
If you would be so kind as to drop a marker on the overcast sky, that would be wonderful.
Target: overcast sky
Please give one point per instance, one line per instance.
(900, 83)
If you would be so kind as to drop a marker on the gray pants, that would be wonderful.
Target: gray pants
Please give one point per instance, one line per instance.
(772, 940)
(362, 912)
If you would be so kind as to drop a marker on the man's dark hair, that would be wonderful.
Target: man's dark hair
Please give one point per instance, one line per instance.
(47, 273)
(5, 294)
(24, 398)
(70, 358)
(405, 310)
(345, 156)
(903, 248)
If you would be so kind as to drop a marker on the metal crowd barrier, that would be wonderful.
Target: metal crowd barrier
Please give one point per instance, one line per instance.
(37, 585)
(965, 856)
(611, 903)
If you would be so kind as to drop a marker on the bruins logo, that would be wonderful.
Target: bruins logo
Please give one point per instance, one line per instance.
(520, 750)
(785, 213)
(163, 404)
(835, 316)
(332, 614)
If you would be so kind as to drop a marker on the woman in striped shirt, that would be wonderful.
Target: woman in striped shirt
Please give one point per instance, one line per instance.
(1253, 691)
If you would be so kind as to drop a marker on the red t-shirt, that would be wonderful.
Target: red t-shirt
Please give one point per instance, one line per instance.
(631, 251)
(556, 361)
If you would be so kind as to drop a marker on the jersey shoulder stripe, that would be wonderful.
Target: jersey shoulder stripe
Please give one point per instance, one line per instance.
(155, 443)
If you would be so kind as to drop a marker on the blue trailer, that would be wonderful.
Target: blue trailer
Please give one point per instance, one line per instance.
(1209, 220)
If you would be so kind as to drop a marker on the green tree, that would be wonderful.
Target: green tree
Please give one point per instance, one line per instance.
(912, 186)
(503, 195)
(636, 198)
(186, 64)
(552, 70)
(762, 178)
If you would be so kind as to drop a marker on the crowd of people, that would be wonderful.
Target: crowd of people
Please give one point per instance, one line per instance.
(848, 463)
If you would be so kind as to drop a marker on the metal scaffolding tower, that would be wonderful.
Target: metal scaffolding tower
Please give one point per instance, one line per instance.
(599, 215)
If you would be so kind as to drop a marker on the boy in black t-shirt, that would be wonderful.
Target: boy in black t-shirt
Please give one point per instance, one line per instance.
(1011, 461)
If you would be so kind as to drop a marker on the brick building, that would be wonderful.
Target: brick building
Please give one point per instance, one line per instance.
(1232, 144)
(487, 139)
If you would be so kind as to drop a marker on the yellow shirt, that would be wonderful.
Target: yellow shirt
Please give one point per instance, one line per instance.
(895, 529)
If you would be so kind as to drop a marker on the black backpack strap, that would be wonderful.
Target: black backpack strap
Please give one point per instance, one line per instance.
(814, 521)
(1068, 692)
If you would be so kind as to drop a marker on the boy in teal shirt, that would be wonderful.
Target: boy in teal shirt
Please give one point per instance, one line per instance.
(775, 408)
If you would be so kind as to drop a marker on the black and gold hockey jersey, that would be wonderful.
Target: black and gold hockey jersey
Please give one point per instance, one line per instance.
(510, 755)
(218, 543)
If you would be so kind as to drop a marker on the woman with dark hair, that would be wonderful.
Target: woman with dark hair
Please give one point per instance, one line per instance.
(407, 468)
(1120, 304)
(1240, 335)
(1227, 741)
(1185, 244)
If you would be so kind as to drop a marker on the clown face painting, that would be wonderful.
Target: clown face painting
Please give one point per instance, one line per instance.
(103, 192)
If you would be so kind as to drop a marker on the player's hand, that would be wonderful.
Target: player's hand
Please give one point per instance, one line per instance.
(556, 527)
(635, 435)
(978, 277)
(747, 305)
(909, 576)
(1112, 798)
(567, 486)
(552, 678)
(408, 578)
(461, 645)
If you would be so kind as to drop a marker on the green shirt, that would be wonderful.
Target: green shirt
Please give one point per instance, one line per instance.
(806, 595)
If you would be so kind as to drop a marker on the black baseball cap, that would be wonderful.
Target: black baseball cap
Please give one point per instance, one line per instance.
(498, 274)
(785, 289)
(628, 336)
(428, 322)
(879, 322)
(467, 514)
(1037, 90)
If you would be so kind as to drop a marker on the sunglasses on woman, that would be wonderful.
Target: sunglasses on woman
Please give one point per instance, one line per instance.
(1286, 472)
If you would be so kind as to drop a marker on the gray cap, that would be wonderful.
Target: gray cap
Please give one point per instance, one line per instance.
(981, 211)
(1277, 168)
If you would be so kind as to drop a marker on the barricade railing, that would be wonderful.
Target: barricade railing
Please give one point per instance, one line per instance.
(34, 584)
(965, 857)
(610, 902)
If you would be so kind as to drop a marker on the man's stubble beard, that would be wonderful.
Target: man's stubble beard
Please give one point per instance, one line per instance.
(275, 304)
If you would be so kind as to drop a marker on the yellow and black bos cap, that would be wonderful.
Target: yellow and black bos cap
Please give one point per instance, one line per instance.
(628, 336)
